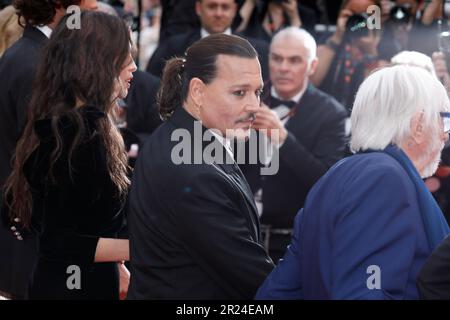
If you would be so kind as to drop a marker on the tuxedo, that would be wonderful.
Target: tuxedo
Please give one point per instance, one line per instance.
(194, 229)
(177, 46)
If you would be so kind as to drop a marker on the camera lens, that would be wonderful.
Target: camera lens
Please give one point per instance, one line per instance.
(400, 14)
(356, 26)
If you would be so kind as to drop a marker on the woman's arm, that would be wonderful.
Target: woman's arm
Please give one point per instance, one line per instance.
(291, 9)
(246, 12)
(327, 52)
(432, 12)
(109, 250)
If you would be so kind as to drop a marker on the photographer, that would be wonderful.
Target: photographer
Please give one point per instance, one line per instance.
(433, 22)
(349, 54)
(400, 21)
(440, 66)
(263, 18)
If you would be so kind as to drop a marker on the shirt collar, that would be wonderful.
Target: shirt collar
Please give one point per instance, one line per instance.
(225, 142)
(45, 30)
(204, 33)
(295, 98)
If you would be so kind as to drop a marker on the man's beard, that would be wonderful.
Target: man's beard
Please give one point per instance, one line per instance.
(436, 147)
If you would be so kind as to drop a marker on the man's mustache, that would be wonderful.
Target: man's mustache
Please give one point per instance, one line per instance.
(250, 117)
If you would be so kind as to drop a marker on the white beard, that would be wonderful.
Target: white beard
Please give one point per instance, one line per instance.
(431, 168)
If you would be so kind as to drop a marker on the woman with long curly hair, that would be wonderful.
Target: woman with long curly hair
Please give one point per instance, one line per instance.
(69, 180)
(36, 19)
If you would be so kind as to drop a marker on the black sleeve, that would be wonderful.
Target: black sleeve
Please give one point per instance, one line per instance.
(433, 281)
(89, 166)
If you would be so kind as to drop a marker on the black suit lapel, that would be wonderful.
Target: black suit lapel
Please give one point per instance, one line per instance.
(35, 34)
(235, 176)
(227, 166)
(301, 109)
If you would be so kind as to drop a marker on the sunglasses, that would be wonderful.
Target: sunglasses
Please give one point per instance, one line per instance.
(446, 118)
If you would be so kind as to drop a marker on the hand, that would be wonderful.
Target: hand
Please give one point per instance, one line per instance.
(386, 7)
(268, 120)
(124, 281)
(291, 9)
(134, 151)
(338, 36)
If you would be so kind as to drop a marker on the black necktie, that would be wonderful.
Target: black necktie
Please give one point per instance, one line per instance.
(275, 102)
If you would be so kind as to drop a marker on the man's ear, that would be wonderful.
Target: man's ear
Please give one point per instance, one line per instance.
(418, 127)
(196, 91)
(313, 66)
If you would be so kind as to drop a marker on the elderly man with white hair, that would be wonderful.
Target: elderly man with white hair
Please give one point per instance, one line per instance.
(369, 223)
(311, 126)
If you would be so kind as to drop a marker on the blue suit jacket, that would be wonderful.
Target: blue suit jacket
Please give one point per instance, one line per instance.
(359, 236)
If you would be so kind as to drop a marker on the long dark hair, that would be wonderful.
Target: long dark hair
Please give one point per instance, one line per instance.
(199, 61)
(77, 66)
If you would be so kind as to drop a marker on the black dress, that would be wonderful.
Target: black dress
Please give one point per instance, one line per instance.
(71, 211)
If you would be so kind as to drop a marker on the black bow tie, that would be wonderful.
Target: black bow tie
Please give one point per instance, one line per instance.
(275, 102)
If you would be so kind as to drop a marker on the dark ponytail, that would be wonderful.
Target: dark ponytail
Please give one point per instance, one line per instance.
(199, 62)
(170, 94)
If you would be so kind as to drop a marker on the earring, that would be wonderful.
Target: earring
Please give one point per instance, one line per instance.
(198, 107)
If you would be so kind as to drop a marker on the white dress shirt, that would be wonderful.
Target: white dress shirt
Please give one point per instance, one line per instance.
(204, 33)
(46, 30)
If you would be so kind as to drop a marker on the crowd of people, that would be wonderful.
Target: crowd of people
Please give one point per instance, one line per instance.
(135, 148)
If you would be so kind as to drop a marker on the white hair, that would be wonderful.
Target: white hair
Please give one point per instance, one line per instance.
(107, 8)
(416, 59)
(302, 36)
(386, 102)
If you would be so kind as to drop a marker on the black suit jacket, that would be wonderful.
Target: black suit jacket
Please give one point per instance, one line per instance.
(177, 45)
(194, 229)
(142, 112)
(316, 140)
(433, 281)
(17, 70)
